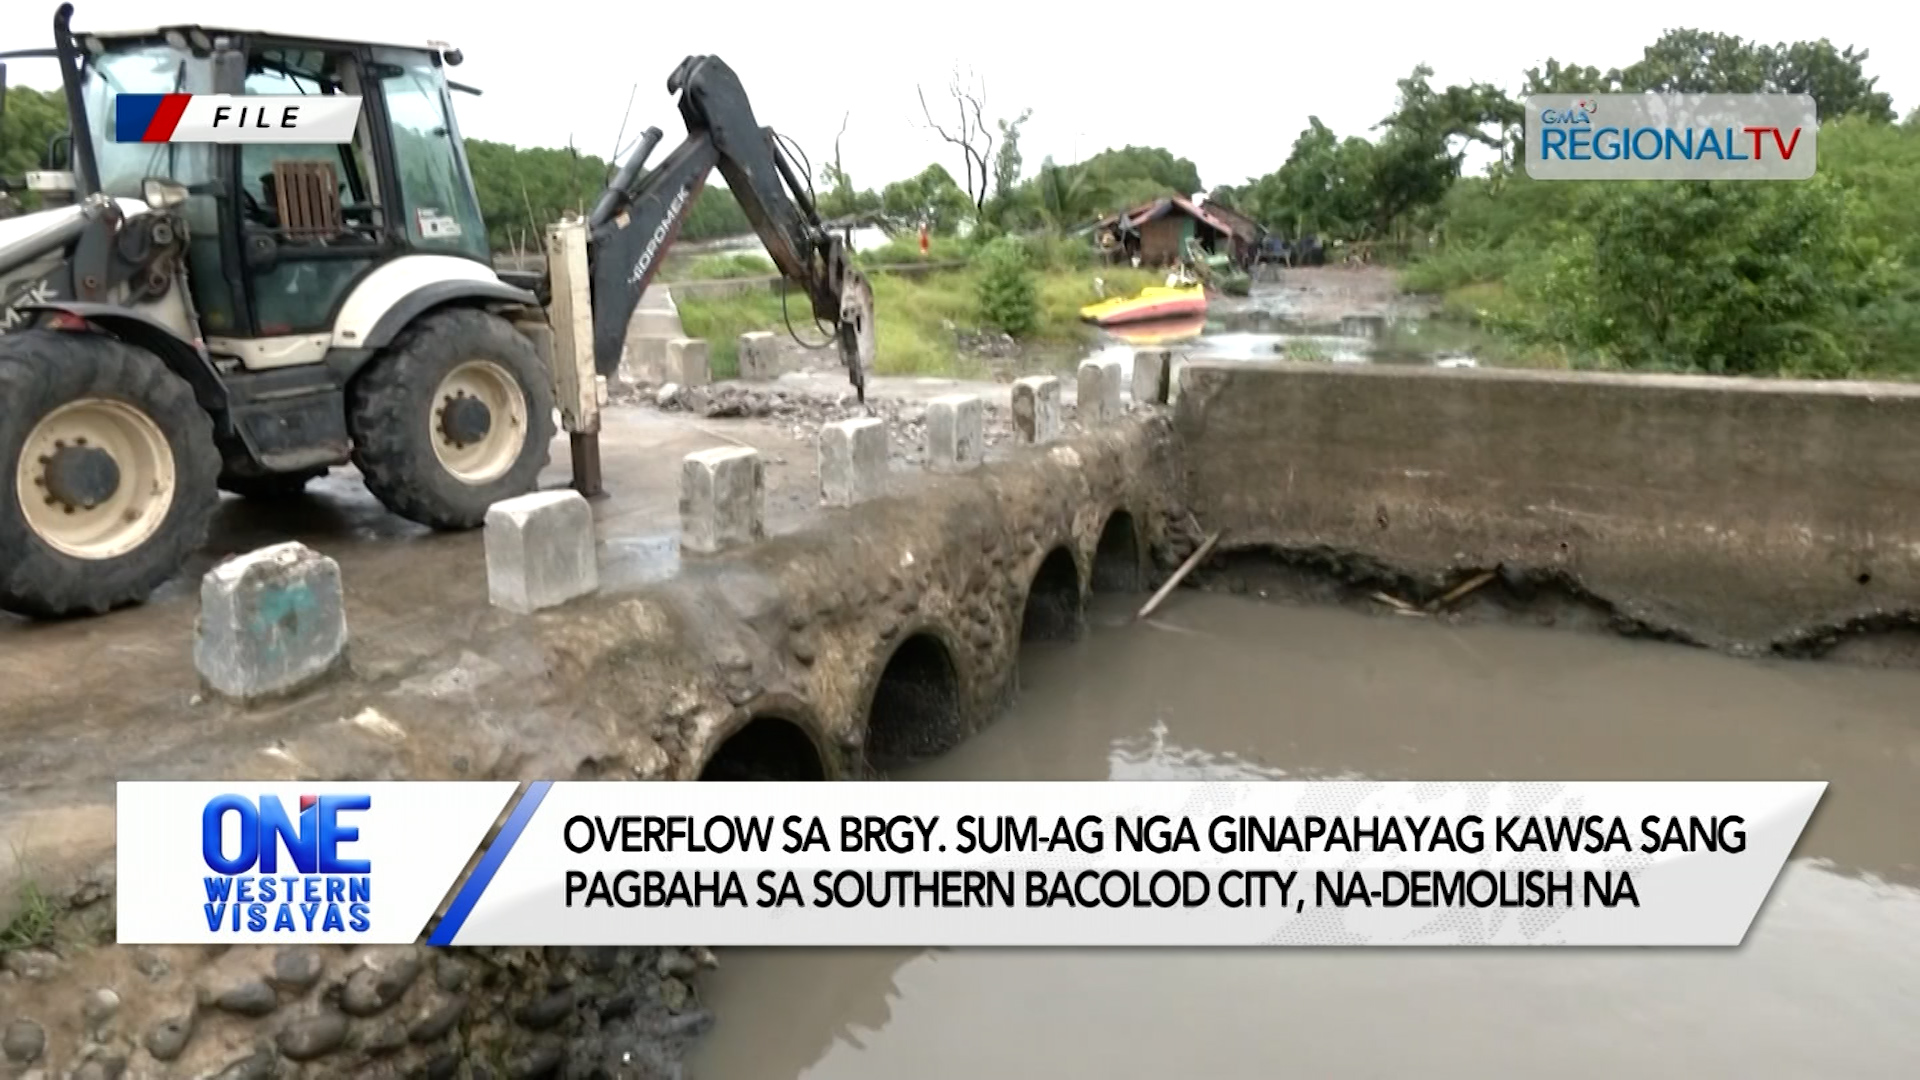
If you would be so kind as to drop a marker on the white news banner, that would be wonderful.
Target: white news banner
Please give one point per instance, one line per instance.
(956, 864)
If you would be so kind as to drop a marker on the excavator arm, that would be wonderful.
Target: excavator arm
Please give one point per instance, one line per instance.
(639, 215)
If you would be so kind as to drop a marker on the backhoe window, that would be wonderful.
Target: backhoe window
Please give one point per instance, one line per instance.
(298, 294)
(439, 204)
(278, 73)
(130, 68)
(153, 69)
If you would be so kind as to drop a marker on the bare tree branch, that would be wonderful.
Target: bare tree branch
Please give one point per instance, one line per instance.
(972, 135)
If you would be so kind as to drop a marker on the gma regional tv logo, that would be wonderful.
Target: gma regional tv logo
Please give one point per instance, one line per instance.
(271, 871)
(228, 118)
(1671, 136)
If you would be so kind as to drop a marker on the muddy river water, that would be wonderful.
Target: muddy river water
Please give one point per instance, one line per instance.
(1827, 984)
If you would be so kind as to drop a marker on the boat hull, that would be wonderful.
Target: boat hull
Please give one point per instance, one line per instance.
(1160, 331)
(1152, 305)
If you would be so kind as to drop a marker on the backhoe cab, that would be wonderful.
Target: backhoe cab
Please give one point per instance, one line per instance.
(247, 317)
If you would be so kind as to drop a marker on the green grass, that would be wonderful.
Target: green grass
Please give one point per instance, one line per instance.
(911, 317)
(725, 266)
(32, 925)
(720, 320)
(906, 249)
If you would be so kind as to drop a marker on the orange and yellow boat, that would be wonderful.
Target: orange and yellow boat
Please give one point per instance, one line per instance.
(1161, 331)
(1151, 304)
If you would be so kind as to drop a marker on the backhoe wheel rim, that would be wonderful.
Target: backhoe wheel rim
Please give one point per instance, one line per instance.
(140, 497)
(492, 454)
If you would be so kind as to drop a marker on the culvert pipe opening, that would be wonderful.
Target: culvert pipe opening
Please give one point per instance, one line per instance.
(1116, 559)
(767, 748)
(916, 705)
(1053, 601)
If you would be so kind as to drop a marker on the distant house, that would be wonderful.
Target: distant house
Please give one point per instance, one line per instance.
(1157, 232)
(1247, 233)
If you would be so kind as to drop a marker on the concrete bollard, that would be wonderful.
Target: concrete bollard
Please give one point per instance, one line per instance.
(956, 427)
(1098, 398)
(759, 356)
(271, 622)
(722, 498)
(853, 461)
(1036, 409)
(540, 551)
(1151, 371)
(687, 363)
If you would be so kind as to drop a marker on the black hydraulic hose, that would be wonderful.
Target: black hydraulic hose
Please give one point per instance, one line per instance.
(620, 191)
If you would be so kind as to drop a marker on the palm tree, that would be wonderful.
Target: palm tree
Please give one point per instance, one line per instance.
(1068, 196)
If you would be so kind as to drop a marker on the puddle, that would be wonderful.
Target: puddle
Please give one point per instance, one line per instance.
(1269, 325)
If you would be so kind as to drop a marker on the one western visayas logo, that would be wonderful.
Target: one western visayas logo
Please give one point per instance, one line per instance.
(282, 872)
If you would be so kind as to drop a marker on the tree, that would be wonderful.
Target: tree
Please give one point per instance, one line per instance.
(969, 133)
(1325, 187)
(1067, 196)
(930, 199)
(841, 198)
(1699, 62)
(33, 118)
(1722, 277)
(1006, 163)
(1425, 141)
(1143, 167)
(1009, 297)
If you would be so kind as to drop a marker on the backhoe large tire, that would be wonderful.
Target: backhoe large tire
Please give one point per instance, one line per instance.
(107, 473)
(455, 417)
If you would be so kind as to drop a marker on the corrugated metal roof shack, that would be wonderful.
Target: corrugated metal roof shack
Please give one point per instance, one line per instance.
(1247, 233)
(1157, 232)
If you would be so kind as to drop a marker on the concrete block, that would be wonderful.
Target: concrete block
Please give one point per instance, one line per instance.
(759, 354)
(853, 461)
(271, 622)
(1098, 399)
(722, 499)
(687, 362)
(956, 429)
(643, 360)
(1152, 369)
(540, 551)
(1036, 409)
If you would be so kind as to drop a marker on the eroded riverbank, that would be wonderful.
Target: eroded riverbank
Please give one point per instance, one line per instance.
(1828, 983)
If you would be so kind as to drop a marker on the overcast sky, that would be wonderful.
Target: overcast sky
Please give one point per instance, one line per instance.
(1229, 87)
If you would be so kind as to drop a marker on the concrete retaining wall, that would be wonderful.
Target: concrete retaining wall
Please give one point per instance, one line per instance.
(1744, 514)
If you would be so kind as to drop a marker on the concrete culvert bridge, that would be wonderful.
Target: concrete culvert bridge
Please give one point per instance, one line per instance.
(916, 704)
(1053, 600)
(767, 748)
(1116, 560)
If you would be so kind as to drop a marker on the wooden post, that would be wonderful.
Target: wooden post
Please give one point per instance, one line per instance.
(1199, 556)
(575, 378)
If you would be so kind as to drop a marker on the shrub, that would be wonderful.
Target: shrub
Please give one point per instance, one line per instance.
(1009, 297)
